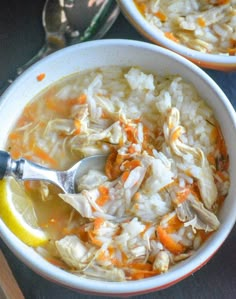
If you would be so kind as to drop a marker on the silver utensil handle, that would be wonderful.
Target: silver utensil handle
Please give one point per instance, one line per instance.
(10, 167)
(5, 160)
(23, 169)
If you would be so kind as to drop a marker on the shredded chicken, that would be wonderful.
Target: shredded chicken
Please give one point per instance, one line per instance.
(193, 213)
(204, 174)
(73, 252)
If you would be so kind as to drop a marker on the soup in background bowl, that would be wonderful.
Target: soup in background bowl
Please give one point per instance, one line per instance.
(202, 31)
(163, 204)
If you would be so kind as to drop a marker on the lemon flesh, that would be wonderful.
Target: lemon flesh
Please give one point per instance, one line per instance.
(17, 211)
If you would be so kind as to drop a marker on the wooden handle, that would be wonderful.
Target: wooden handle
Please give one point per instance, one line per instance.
(7, 281)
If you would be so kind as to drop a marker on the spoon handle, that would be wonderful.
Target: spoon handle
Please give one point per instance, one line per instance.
(10, 167)
(41, 53)
(44, 51)
(4, 163)
(52, 44)
(23, 169)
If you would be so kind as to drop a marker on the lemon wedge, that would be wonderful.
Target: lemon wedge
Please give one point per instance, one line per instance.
(17, 211)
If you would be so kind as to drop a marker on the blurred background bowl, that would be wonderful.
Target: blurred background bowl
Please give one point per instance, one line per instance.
(204, 60)
(153, 59)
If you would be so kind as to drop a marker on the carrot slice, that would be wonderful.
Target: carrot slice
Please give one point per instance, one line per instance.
(129, 165)
(125, 176)
(41, 76)
(182, 195)
(77, 124)
(171, 36)
(82, 99)
(82, 234)
(94, 240)
(104, 195)
(98, 222)
(131, 149)
(131, 133)
(140, 266)
(161, 16)
(223, 162)
(141, 7)
(174, 224)
(201, 22)
(112, 167)
(176, 134)
(140, 274)
(58, 263)
(44, 155)
(168, 242)
(221, 143)
(14, 135)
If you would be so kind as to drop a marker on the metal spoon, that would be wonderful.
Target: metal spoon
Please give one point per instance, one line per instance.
(23, 169)
(68, 22)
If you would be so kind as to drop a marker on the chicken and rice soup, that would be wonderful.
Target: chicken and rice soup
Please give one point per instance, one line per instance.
(207, 26)
(165, 178)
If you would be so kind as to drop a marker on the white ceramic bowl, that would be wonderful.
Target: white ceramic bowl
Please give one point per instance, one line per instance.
(124, 53)
(205, 60)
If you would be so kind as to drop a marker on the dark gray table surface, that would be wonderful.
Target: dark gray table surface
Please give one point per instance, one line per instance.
(21, 35)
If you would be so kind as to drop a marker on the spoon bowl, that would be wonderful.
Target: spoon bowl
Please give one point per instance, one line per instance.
(68, 22)
(67, 180)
